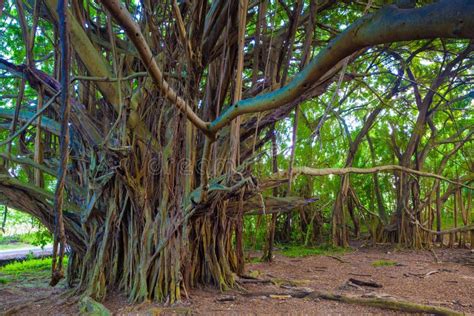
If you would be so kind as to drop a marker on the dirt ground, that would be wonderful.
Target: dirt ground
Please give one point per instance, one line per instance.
(414, 276)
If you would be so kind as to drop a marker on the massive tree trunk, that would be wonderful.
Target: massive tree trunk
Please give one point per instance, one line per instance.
(150, 206)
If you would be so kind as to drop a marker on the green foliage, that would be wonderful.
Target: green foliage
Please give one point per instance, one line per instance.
(31, 270)
(254, 239)
(295, 251)
(5, 240)
(384, 263)
(254, 260)
(26, 231)
(30, 256)
(4, 281)
(40, 238)
(15, 218)
(328, 123)
(30, 266)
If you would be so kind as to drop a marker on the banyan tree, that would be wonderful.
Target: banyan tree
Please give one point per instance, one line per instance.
(134, 126)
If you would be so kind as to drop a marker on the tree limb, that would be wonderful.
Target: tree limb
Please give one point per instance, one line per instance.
(124, 19)
(390, 24)
(386, 303)
(342, 171)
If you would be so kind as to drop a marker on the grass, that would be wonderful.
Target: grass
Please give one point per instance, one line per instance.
(384, 263)
(31, 266)
(254, 260)
(27, 270)
(295, 251)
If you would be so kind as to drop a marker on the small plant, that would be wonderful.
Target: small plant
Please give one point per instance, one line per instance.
(4, 281)
(254, 260)
(30, 255)
(39, 238)
(384, 263)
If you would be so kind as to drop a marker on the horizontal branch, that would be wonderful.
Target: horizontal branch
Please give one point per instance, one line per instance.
(80, 119)
(110, 79)
(342, 171)
(33, 190)
(462, 229)
(386, 303)
(38, 203)
(443, 19)
(29, 119)
(31, 163)
(258, 205)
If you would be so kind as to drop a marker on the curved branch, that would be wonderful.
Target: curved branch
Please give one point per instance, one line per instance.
(466, 228)
(31, 163)
(38, 202)
(445, 19)
(97, 66)
(38, 192)
(342, 171)
(29, 117)
(36, 78)
(92, 59)
(123, 17)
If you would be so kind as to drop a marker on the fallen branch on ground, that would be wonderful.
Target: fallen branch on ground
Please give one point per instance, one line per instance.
(386, 303)
(365, 283)
(253, 281)
(360, 274)
(226, 298)
(337, 258)
(372, 300)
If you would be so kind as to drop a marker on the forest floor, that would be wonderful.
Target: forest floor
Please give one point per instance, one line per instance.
(444, 278)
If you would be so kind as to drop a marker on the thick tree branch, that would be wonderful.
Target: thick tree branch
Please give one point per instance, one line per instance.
(71, 185)
(29, 117)
(342, 171)
(386, 303)
(81, 121)
(97, 66)
(38, 202)
(444, 19)
(123, 17)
